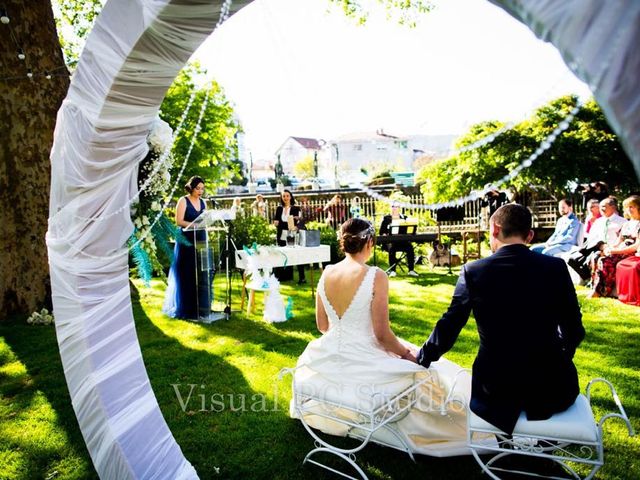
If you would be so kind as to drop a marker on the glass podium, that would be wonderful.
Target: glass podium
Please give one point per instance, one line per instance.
(204, 260)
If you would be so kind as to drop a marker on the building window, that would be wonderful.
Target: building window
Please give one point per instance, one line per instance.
(358, 147)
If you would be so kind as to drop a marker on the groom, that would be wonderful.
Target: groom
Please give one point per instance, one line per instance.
(529, 323)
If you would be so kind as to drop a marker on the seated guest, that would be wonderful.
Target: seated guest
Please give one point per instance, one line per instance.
(307, 213)
(592, 214)
(604, 269)
(529, 328)
(628, 280)
(394, 248)
(603, 232)
(565, 234)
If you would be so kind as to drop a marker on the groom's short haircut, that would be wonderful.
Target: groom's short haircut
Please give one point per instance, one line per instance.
(513, 219)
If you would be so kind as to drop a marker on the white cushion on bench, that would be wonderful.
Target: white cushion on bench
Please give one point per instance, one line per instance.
(576, 423)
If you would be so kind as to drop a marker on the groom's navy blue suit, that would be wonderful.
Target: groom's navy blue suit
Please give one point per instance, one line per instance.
(529, 323)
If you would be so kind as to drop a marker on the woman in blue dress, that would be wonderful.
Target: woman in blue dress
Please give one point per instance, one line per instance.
(181, 298)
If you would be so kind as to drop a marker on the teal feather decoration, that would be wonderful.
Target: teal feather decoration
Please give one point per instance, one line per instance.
(141, 260)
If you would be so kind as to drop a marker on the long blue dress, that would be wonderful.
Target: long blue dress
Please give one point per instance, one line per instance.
(181, 297)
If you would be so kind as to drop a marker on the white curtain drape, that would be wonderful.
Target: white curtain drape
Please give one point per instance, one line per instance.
(134, 52)
(599, 41)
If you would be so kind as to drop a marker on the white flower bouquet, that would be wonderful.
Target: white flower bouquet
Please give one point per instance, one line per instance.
(43, 317)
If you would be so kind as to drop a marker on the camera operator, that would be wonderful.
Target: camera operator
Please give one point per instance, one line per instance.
(594, 190)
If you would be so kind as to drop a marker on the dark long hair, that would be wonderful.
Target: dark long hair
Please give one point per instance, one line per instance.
(193, 183)
(293, 200)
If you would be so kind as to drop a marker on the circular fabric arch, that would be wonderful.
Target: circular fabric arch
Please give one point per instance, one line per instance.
(134, 52)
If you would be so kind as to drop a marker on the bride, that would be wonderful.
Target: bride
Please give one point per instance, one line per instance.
(358, 357)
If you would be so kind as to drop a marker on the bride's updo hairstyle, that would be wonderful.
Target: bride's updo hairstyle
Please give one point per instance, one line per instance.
(354, 235)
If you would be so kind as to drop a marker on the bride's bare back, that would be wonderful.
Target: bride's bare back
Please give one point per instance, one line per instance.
(341, 283)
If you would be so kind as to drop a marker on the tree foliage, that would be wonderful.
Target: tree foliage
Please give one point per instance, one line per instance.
(587, 151)
(303, 168)
(74, 20)
(214, 151)
(404, 12)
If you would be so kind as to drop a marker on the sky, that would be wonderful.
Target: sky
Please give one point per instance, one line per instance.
(302, 68)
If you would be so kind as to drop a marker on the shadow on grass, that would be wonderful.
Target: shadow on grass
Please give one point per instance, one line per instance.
(227, 429)
(36, 348)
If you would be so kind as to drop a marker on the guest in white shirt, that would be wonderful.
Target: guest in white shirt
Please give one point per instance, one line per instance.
(607, 227)
(603, 232)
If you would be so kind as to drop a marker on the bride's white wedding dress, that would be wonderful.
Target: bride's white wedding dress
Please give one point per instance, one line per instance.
(350, 367)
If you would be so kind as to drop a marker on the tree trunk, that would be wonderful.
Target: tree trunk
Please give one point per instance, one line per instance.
(28, 110)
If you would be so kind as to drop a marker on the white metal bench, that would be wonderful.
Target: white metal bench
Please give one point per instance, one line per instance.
(369, 421)
(569, 438)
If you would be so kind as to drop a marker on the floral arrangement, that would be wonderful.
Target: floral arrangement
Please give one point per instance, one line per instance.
(154, 183)
(43, 317)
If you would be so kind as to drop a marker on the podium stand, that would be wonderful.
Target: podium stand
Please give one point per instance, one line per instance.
(204, 263)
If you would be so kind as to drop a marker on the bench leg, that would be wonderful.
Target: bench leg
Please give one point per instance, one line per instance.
(520, 447)
(350, 459)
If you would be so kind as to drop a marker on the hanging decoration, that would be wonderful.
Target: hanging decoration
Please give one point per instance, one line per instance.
(477, 194)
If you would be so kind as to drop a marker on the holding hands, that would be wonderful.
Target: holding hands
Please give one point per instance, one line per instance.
(411, 355)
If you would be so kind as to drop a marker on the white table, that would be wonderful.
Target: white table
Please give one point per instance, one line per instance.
(285, 256)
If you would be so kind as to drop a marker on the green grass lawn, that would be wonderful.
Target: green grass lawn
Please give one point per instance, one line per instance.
(229, 362)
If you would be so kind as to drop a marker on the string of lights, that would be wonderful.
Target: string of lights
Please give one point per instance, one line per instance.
(22, 55)
(540, 100)
(224, 14)
(168, 198)
(544, 145)
(154, 172)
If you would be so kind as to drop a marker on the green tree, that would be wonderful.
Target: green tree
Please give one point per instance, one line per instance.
(304, 168)
(213, 156)
(74, 20)
(587, 151)
(405, 12)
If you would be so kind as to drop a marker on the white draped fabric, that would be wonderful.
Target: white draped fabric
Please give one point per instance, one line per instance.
(134, 52)
(599, 42)
(131, 57)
